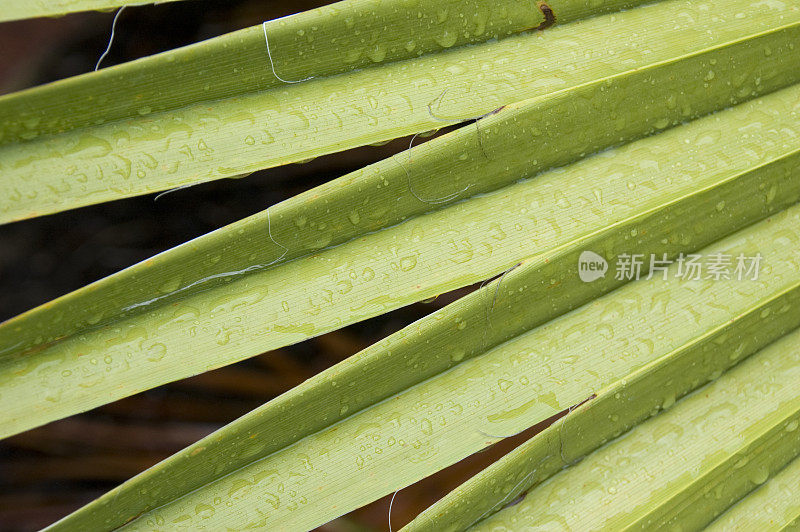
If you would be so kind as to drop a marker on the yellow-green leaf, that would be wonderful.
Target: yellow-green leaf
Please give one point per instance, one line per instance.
(337, 254)
(771, 507)
(685, 466)
(21, 9)
(395, 413)
(127, 131)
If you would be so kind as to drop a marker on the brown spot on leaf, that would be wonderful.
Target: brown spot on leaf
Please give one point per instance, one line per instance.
(549, 15)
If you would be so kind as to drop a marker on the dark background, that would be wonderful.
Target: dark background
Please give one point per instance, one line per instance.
(50, 471)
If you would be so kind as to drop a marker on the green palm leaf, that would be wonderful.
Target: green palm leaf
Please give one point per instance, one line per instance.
(686, 465)
(659, 130)
(15, 9)
(125, 131)
(773, 506)
(352, 249)
(417, 402)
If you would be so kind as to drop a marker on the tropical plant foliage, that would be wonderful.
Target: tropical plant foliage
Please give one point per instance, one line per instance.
(664, 130)
(14, 9)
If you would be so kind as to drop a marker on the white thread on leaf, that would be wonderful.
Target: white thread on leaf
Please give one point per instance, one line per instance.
(222, 275)
(497, 288)
(173, 190)
(437, 201)
(272, 63)
(254, 267)
(453, 121)
(411, 144)
(438, 101)
(489, 309)
(269, 230)
(391, 502)
(110, 39)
